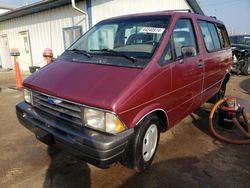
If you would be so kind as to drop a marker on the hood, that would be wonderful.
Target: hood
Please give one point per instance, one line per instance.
(90, 84)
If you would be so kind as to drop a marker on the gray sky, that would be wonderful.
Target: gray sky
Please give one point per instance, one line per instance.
(234, 13)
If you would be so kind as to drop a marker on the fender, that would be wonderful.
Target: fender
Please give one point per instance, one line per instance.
(148, 110)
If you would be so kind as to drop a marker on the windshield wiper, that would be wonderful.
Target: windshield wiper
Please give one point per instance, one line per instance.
(84, 52)
(131, 58)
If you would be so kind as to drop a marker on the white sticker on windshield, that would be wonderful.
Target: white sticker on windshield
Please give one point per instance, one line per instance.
(156, 30)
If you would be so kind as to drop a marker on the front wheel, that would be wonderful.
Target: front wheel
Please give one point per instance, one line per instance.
(144, 144)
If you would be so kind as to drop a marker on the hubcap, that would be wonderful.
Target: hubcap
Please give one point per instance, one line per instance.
(149, 142)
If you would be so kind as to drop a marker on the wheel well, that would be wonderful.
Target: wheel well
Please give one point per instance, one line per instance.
(226, 79)
(163, 120)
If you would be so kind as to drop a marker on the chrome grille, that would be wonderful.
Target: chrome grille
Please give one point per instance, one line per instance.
(64, 110)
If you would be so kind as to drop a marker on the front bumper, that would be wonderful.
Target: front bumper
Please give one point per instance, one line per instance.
(91, 146)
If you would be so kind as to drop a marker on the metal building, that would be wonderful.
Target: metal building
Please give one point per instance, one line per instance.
(55, 24)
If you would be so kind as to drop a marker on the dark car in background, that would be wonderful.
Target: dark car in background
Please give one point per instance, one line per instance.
(241, 54)
(240, 39)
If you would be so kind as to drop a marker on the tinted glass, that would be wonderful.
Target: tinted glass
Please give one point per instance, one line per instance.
(210, 36)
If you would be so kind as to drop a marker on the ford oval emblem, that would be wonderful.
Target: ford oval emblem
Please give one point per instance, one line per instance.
(53, 100)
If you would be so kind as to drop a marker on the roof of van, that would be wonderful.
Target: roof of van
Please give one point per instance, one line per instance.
(169, 12)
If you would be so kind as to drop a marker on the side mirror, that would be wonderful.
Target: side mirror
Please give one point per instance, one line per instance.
(188, 51)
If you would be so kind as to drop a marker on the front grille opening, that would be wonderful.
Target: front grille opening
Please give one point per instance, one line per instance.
(65, 111)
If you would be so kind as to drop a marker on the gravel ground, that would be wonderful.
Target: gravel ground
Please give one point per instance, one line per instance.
(188, 156)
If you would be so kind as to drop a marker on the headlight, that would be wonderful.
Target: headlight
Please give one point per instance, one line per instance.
(103, 121)
(27, 94)
(94, 119)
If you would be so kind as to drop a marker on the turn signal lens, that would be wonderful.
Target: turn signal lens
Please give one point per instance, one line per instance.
(113, 124)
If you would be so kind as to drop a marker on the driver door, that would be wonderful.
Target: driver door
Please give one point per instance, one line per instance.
(187, 71)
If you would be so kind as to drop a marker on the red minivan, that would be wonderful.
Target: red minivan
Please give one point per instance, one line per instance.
(108, 97)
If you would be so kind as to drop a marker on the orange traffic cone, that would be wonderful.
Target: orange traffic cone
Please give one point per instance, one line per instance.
(14, 52)
(19, 83)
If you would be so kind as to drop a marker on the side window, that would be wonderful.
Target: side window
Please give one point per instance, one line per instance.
(166, 56)
(223, 36)
(206, 36)
(183, 35)
(215, 36)
(210, 36)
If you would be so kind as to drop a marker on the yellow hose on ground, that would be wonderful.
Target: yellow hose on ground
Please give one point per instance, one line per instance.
(228, 140)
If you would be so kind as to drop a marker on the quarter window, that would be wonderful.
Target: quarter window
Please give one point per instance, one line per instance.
(183, 35)
(223, 36)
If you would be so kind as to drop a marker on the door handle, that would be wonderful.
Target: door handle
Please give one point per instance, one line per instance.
(200, 63)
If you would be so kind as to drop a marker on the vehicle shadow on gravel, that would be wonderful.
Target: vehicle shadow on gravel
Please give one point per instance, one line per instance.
(66, 171)
(245, 85)
(218, 168)
(201, 121)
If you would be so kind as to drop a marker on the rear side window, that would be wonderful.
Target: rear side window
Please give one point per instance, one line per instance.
(225, 42)
(210, 36)
(183, 35)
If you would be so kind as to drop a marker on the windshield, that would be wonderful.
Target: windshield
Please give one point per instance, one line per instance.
(122, 41)
(240, 39)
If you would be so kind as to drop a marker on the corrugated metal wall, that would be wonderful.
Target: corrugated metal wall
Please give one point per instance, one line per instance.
(45, 31)
(102, 9)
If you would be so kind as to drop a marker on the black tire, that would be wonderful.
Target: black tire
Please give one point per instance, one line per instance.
(246, 68)
(135, 158)
(220, 94)
(53, 150)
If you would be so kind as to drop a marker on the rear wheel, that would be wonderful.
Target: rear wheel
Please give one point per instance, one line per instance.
(143, 147)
